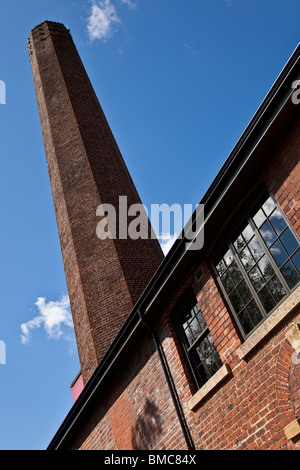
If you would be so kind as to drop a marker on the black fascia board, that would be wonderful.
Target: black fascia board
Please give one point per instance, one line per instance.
(276, 114)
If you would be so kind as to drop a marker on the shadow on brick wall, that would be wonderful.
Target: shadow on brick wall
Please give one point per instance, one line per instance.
(147, 428)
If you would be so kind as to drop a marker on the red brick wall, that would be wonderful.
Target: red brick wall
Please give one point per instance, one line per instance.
(252, 408)
(135, 412)
(283, 177)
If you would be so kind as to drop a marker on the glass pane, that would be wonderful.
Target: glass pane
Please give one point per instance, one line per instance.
(236, 301)
(239, 243)
(227, 282)
(278, 253)
(247, 259)
(196, 309)
(291, 275)
(235, 272)
(212, 364)
(244, 292)
(245, 321)
(269, 206)
(184, 324)
(254, 313)
(189, 336)
(207, 358)
(289, 241)
(278, 221)
(268, 233)
(195, 328)
(247, 233)
(228, 257)
(197, 325)
(267, 299)
(276, 288)
(296, 260)
(266, 267)
(259, 218)
(221, 268)
(203, 349)
(215, 361)
(186, 314)
(256, 248)
(183, 321)
(256, 278)
(207, 369)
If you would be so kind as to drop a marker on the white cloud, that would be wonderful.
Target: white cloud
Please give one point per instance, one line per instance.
(191, 47)
(166, 241)
(53, 317)
(102, 18)
(132, 5)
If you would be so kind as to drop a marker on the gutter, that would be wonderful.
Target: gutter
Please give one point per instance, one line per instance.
(276, 102)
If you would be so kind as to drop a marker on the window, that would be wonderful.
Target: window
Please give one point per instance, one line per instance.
(259, 265)
(197, 341)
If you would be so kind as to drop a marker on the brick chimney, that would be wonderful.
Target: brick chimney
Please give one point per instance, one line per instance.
(104, 277)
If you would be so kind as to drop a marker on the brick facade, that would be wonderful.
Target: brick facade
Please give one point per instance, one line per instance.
(254, 403)
(253, 400)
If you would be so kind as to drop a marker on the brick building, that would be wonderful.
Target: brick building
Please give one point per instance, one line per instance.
(199, 349)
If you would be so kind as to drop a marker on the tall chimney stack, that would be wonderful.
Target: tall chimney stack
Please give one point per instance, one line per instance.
(104, 277)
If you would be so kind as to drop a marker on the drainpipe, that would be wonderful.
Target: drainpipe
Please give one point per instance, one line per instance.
(171, 386)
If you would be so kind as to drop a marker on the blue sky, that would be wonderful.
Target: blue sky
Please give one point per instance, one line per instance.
(178, 80)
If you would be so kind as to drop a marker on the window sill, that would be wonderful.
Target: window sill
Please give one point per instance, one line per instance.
(292, 430)
(269, 324)
(215, 380)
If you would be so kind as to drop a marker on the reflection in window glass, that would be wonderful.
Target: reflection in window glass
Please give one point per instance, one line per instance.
(268, 233)
(246, 258)
(290, 273)
(264, 264)
(228, 257)
(296, 261)
(256, 249)
(267, 299)
(247, 233)
(254, 313)
(227, 282)
(268, 206)
(277, 221)
(197, 340)
(235, 273)
(244, 291)
(256, 278)
(239, 243)
(236, 301)
(266, 267)
(259, 218)
(277, 289)
(207, 357)
(278, 252)
(289, 242)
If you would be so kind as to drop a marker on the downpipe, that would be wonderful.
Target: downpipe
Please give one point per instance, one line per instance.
(171, 385)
